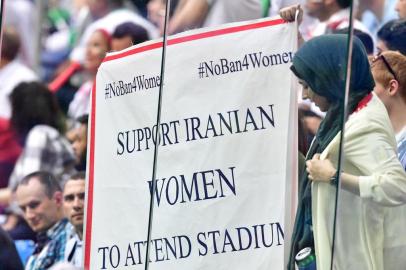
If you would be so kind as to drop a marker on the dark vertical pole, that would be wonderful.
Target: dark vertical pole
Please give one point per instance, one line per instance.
(156, 135)
(344, 117)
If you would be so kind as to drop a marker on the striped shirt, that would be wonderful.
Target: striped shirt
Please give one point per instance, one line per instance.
(54, 249)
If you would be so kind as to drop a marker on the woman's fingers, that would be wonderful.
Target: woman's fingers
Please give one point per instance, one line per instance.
(289, 13)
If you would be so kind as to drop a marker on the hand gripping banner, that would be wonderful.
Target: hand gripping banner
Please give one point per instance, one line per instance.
(226, 163)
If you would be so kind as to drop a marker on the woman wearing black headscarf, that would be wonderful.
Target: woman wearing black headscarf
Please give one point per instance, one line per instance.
(372, 178)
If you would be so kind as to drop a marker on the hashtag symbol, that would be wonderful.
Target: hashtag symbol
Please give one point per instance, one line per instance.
(106, 92)
(201, 70)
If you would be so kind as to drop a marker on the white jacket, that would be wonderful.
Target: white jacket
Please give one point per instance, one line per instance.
(366, 224)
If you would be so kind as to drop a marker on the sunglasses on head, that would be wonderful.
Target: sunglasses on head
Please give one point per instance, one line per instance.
(386, 63)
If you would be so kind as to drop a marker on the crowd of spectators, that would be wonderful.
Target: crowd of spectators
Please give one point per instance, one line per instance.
(48, 65)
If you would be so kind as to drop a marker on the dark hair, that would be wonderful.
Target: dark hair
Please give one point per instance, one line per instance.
(344, 3)
(115, 3)
(33, 104)
(393, 34)
(137, 33)
(81, 175)
(47, 180)
(78, 176)
(10, 45)
(83, 119)
(365, 38)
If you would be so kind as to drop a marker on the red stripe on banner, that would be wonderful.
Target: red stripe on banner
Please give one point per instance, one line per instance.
(213, 33)
(89, 214)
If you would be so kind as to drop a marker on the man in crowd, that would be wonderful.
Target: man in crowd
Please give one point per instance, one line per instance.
(79, 142)
(392, 36)
(73, 203)
(401, 8)
(40, 199)
(332, 14)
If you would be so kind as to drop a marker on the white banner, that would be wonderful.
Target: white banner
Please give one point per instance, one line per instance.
(226, 155)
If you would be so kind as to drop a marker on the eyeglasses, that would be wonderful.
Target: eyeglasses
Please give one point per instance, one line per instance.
(380, 56)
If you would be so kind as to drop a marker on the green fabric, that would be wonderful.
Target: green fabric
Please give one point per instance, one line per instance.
(321, 63)
(265, 7)
(57, 16)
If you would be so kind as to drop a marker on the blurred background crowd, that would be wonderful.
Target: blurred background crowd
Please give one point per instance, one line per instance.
(50, 53)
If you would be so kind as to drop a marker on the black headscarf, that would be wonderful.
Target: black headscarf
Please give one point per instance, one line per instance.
(321, 63)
